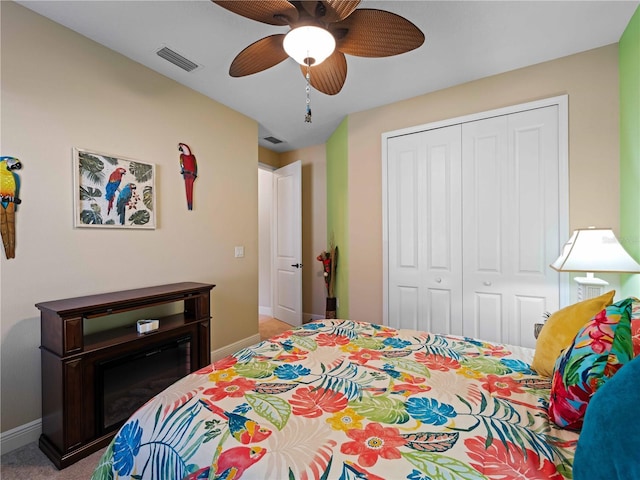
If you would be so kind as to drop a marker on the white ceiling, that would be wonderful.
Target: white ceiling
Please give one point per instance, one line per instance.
(465, 40)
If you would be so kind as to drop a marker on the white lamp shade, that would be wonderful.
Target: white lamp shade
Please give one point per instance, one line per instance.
(309, 45)
(595, 250)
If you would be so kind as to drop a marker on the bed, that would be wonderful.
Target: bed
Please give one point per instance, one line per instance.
(341, 399)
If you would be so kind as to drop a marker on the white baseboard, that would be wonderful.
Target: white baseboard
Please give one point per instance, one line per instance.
(20, 436)
(310, 317)
(306, 317)
(234, 347)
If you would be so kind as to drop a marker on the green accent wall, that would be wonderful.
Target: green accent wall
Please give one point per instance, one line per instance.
(629, 65)
(337, 210)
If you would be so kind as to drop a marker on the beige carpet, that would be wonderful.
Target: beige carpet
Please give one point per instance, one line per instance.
(269, 327)
(29, 462)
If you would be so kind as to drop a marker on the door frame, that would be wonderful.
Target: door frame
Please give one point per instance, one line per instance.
(267, 201)
(562, 102)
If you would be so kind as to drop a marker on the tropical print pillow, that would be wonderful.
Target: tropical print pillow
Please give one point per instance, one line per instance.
(635, 326)
(599, 350)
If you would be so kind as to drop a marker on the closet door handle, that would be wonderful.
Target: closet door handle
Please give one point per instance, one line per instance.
(487, 284)
(438, 280)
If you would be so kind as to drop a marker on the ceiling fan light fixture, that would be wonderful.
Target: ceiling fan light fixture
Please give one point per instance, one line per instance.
(309, 45)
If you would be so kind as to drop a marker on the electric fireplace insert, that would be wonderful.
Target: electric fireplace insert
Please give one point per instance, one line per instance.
(125, 383)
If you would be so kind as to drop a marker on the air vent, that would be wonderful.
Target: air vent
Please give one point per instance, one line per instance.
(273, 140)
(177, 59)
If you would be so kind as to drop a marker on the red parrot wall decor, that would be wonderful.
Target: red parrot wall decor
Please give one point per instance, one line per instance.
(112, 186)
(188, 170)
(9, 201)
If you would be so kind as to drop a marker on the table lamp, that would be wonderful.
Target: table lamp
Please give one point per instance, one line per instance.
(592, 250)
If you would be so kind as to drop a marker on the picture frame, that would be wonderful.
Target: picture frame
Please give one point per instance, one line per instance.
(112, 191)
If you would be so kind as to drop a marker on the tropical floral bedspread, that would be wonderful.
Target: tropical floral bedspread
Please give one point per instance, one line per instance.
(338, 399)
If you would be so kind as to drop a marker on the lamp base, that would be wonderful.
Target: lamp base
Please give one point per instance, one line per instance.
(590, 287)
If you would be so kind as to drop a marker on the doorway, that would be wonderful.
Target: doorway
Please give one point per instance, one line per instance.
(265, 200)
(280, 242)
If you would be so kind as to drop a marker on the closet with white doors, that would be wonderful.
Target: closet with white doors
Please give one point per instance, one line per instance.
(475, 213)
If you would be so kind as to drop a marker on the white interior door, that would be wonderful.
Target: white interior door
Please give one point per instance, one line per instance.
(485, 225)
(424, 204)
(510, 188)
(287, 244)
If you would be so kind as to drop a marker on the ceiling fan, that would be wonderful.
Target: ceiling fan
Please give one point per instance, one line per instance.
(344, 28)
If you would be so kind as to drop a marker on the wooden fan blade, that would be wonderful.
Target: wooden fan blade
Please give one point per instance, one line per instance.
(330, 75)
(273, 12)
(376, 33)
(338, 10)
(330, 11)
(260, 55)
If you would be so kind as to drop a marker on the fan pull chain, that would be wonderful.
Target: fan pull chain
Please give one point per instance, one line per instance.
(307, 116)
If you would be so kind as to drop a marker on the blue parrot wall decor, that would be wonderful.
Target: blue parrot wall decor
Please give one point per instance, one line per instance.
(124, 200)
(9, 201)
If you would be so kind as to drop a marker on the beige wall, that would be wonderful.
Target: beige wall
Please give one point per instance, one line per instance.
(269, 157)
(591, 81)
(60, 90)
(314, 224)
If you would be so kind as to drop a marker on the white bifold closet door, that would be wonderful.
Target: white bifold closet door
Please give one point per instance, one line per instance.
(473, 224)
(425, 231)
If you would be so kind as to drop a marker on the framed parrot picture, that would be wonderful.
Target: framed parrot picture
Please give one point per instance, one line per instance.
(113, 191)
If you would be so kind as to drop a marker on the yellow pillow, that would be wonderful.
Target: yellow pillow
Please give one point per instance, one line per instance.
(562, 327)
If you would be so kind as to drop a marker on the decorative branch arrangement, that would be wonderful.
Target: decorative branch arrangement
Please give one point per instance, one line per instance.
(329, 263)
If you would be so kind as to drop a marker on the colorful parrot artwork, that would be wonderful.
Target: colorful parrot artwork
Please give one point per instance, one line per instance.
(123, 200)
(112, 186)
(231, 464)
(241, 428)
(189, 171)
(9, 199)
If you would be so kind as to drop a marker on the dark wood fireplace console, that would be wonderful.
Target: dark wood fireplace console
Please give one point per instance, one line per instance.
(70, 425)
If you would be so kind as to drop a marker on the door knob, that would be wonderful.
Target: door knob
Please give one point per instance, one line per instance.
(487, 284)
(297, 265)
(438, 280)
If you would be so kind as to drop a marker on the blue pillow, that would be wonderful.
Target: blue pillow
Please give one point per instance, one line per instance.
(609, 444)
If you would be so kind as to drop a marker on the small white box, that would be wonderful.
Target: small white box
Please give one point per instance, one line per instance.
(147, 325)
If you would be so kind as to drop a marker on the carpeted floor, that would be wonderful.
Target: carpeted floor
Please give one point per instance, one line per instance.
(29, 462)
(270, 326)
